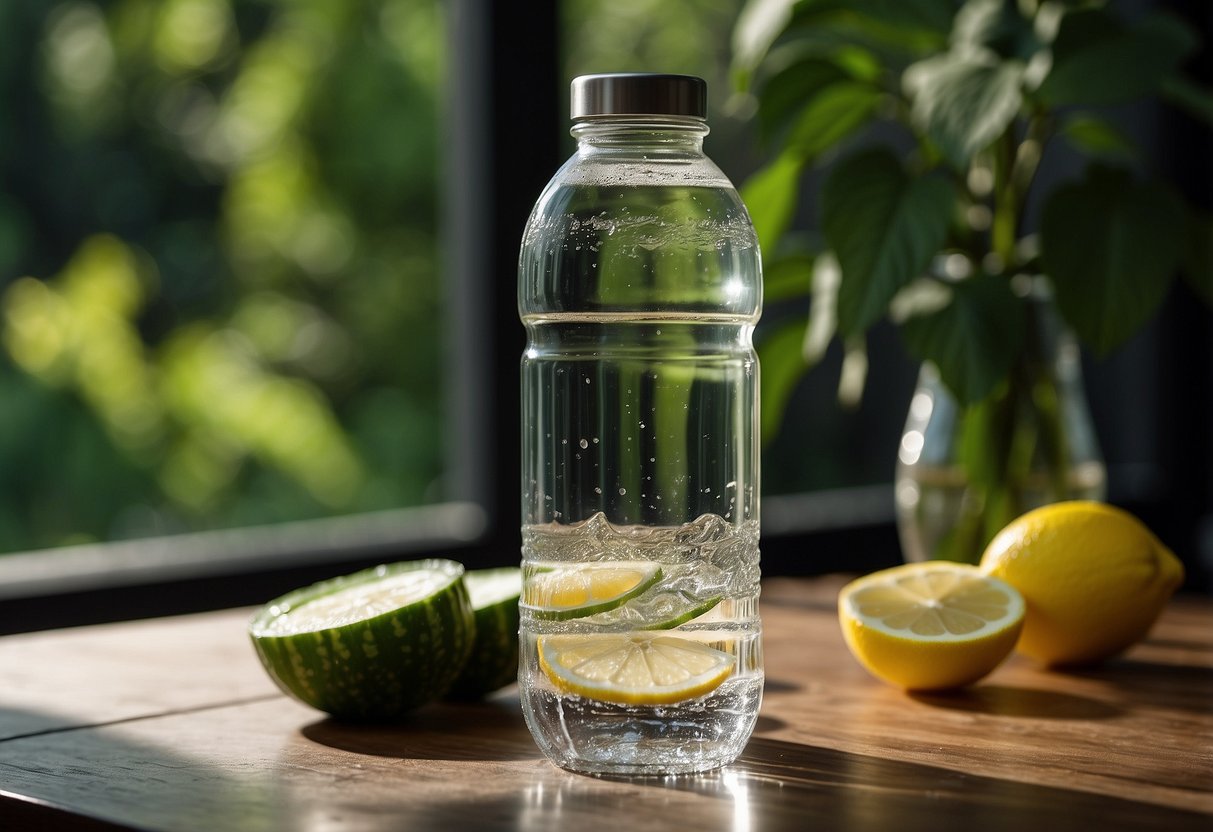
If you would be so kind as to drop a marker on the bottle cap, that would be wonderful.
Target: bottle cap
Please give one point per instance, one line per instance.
(639, 94)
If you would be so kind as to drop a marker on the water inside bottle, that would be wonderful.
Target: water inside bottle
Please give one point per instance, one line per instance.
(640, 445)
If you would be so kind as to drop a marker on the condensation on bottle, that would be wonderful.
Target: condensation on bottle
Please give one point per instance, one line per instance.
(639, 287)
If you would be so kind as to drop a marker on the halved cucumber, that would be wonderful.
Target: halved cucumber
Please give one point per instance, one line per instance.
(494, 660)
(371, 645)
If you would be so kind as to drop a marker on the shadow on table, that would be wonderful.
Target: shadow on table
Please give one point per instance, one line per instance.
(779, 785)
(488, 730)
(1183, 687)
(61, 774)
(846, 790)
(1005, 700)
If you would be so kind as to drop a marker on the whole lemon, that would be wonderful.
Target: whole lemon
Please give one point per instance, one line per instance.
(1093, 576)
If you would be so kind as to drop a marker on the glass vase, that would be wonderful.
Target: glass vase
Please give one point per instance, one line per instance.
(965, 472)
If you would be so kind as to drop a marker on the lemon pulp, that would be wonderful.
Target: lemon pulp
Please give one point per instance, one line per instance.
(930, 625)
(567, 592)
(633, 668)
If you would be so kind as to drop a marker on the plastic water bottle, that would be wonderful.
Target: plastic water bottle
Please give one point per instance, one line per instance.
(639, 286)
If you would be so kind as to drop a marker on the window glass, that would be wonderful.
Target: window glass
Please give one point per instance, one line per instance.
(219, 302)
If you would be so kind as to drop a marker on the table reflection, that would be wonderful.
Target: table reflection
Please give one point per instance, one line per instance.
(722, 799)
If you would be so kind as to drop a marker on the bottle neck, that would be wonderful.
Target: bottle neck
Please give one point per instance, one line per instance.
(648, 135)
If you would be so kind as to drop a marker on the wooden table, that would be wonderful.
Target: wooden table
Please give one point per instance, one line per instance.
(171, 724)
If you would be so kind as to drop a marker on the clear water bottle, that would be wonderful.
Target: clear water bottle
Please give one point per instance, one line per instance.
(639, 286)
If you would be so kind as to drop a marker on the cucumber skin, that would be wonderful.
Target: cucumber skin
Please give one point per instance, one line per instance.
(493, 664)
(342, 671)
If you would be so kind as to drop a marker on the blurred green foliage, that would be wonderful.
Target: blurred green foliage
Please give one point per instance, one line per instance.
(219, 294)
(814, 440)
(692, 37)
(220, 290)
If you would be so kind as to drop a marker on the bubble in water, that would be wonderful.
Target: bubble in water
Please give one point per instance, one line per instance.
(622, 491)
(584, 444)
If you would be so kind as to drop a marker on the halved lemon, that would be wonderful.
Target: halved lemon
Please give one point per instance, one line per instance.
(633, 668)
(567, 592)
(930, 626)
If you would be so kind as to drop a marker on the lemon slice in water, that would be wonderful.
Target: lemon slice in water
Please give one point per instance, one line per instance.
(633, 668)
(929, 626)
(567, 592)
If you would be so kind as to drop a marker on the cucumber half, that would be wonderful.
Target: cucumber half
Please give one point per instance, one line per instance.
(494, 660)
(372, 645)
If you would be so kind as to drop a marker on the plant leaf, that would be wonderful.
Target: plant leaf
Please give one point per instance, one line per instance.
(964, 103)
(1096, 60)
(759, 23)
(924, 15)
(783, 366)
(996, 26)
(884, 227)
(1187, 96)
(770, 196)
(974, 339)
(832, 115)
(1096, 137)
(1110, 246)
(905, 35)
(787, 278)
(782, 96)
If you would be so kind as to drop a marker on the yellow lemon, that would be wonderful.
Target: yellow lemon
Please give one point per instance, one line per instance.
(1093, 576)
(930, 626)
(633, 668)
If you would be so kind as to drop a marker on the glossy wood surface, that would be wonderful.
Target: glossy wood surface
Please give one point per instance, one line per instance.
(172, 725)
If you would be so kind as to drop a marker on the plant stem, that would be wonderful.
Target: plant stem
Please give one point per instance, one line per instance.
(1004, 226)
(1027, 160)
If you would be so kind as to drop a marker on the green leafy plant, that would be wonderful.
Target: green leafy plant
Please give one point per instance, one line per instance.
(923, 221)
